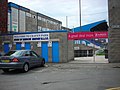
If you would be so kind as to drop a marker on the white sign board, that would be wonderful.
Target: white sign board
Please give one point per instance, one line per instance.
(31, 37)
(76, 48)
(39, 44)
(23, 44)
(50, 44)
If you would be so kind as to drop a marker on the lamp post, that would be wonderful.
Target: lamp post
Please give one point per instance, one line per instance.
(80, 15)
(80, 23)
(66, 21)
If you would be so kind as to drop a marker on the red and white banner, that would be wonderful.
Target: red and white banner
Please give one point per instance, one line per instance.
(87, 35)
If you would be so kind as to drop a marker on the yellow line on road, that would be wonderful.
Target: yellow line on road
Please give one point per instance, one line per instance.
(117, 88)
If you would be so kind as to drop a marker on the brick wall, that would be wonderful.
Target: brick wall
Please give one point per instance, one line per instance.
(3, 16)
(114, 32)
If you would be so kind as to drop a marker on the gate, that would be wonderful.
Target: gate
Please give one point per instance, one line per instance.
(18, 46)
(45, 50)
(27, 46)
(55, 52)
(6, 47)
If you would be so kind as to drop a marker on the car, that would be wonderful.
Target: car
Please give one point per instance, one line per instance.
(21, 59)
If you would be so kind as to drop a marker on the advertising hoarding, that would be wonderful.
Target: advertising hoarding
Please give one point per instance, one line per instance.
(87, 35)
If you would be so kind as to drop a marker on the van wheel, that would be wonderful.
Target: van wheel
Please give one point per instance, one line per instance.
(5, 70)
(25, 68)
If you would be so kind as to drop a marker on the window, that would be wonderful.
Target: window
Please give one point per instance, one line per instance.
(14, 19)
(48, 21)
(33, 54)
(22, 26)
(39, 18)
(43, 19)
(27, 53)
(28, 14)
(33, 16)
(39, 28)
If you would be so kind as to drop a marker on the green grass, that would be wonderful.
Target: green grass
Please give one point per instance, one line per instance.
(100, 54)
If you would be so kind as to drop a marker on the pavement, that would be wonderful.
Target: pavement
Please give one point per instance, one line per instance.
(94, 59)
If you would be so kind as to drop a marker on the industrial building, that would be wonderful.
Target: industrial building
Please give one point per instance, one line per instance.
(31, 30)
(21, 19)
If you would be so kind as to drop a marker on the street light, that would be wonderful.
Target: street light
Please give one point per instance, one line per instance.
(66, 21)
(80, 23)
(80, 15)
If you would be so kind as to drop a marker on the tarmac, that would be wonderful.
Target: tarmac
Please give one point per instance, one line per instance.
(82, 73)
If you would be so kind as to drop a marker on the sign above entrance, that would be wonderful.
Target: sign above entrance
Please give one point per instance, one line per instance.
(31, 37)
(87, 35)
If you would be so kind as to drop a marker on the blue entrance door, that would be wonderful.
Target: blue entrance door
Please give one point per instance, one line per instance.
(27, 46)
(18, 46)
(45, 50)
(55, 52)
(6, 47)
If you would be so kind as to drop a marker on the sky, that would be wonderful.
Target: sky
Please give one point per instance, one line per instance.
(91, 10)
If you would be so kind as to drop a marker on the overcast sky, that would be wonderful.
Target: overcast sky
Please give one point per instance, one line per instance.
(92, 10)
